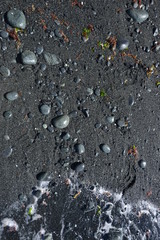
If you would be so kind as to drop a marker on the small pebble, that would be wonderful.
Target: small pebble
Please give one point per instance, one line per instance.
(105, 148)
(122, 44)
(4, 71)
(80, 149)
(11, 96)
(7, 152)
(39, 49)
(45, 109)
(58, 33)
(51, 59)
(61, 121)
(78, 166)
(42, 176)
(110, 119)
(121, 123)
(66, 136)
(97, 92)
(7, 114)
(37, 193)
(73, 114)
(4, 34)
(155, 32)
(43, 67)
(142, 164)
(131, 100)
(28, 58)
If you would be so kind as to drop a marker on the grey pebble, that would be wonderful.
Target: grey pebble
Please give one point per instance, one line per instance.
(78, 166)
(51, 59)
(39, 49)
(98, 125)
(105, 148)
(89, 91)
(142, 163)
(7, 114)
(6, 137)
(121, 123)
(61, 121)
(3, 46)
(77, 79)
(122, 44)
(16, 18)
(37, 193)
(7, 152)
(45, 109)
(80, 149)
(28, 58)
(73, 114)
(66, 136)
(4, 34)
(97, 92)
(114, 234)
(4, 71)
(110, 119)
(138, 15)
(11, 96)
(43, 67)
(50, 129)
(155, 32)
(131, 100)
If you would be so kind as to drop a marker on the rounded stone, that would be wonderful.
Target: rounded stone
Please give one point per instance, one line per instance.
(4, 34)
(7, 114)
(79, 148)
(7, 152)
(58, 33)
(138, 15)
(142, 164)
(122, 44)
(39, 49)
(37, 193)
(131, 100)
(78, 166)
(45, 109)
(61, 121)
(4, 71)
(105, 148)
(28, 58)
(110, 119)
(51, 59)
(121, 123)
(11, 96)
(16, 18)
(43, 67)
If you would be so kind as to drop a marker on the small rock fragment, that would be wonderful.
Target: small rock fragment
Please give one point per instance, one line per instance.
(77, 166)
(79, 148)
(105, 148)
(110, 119)
(7, 152)
(61, 121)
(45, 109)
(122, 44)
(7, 114)
(142, 164)
(51, 59)
(4, 71)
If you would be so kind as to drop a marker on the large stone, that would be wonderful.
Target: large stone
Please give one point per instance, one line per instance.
(61, 121)
(138, 15)
(51, 58)
(28, 58)
(16, 18)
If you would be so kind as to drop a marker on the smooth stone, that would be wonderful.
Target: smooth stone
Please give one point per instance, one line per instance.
(39, 49)
(142, 164)
(105, 148)
(121, 123)
(77, 166)
(4, 71)
(110, 119)
(4, 34)
(16, 19)
(79, 148)
(131, 100)
(43, 67)
(7, 114)
(97, 92)
(138, 15)
(28, 58)
(51, 59)
(61, 121)
(3, 46)
(122, 44)
(45, 109)
(66, 136)
(11, 96)
(73, 114)
(155, 32)
(42, 176)
(48, 237)
(22, 197)
(7, 152)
